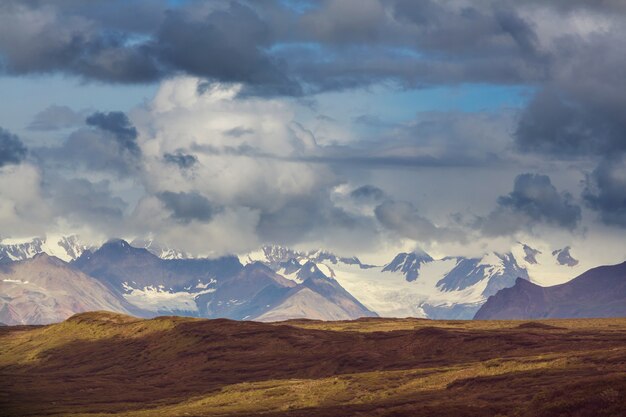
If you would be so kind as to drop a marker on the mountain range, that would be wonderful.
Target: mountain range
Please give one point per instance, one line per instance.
(121, 278)
(274, 283)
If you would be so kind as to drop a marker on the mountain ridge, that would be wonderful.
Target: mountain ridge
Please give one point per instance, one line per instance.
(599, 292)
(45, 289)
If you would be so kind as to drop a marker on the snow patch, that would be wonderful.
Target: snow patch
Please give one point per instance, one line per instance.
(157, 298)
(15, 281)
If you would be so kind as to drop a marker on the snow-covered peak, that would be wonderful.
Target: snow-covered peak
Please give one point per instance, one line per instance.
(495, 271)
(277, 256)
(408, 263)
(66, 248)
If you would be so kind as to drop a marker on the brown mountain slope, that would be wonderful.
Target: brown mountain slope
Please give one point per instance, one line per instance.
(44, 289)
(304, 303)
(110, 364)
(599, 292)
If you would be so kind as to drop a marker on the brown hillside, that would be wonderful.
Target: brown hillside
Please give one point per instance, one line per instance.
(109, 364)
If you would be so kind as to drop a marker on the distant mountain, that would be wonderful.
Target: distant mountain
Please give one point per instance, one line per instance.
(213, 288)
(289, 262)
(408, 263)
(412, 284)
(162, 280)
(599, 292)
(248, 294)
(304, 303)
(160, 250)
(45, 289)
(66, 248)
(500, 270)
(163, 286)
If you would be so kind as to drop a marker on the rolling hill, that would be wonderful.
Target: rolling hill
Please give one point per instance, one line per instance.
(108, 364)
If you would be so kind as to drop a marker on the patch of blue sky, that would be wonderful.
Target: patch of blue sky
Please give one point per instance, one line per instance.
(176, 3)
(281, 47)
(463, 97)
(299, 6)
(389, 101)
(23, 97)
(385, 106)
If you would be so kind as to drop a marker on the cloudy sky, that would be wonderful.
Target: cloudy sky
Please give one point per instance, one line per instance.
(362, 126)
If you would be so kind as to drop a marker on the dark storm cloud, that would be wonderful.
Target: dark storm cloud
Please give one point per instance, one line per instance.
(563, 257)
(605, 191)
(581, 113)
(535, 196)
(186, 207)
(225, 45)
(119, 126)
(183, 160)
(12, 150)
(560, 125)
(56, 117)
(533, 200)
(488, 26)
(216, 40)
(62, 41)
(275, 49)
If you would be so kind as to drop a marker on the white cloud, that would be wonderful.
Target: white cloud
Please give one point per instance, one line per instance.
(23, 210)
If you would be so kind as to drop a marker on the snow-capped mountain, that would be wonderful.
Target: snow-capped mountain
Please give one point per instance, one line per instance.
(412, 284)
(279, 283)
(66, 248)
(408, 263)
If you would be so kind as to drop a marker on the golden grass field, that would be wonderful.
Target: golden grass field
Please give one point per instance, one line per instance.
(104, 364)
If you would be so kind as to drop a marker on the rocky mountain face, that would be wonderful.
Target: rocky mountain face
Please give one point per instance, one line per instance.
(500, 271)
(408, 264)
(45, 289)
(599, 292)
(221, 287)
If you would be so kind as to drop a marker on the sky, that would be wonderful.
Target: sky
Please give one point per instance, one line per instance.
(364, 127)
